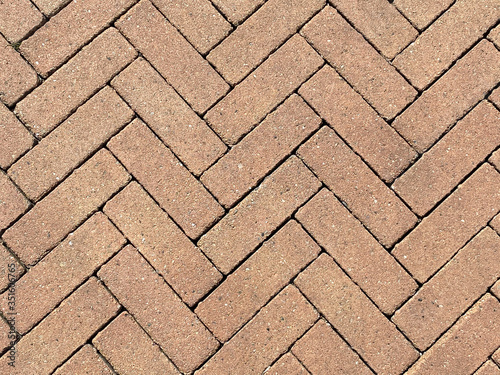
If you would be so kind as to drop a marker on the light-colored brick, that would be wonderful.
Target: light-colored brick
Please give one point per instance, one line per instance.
(86, 361)
(495, 223)
(18, 18)
(237, 10)
(494, 36)
(12, 203)
(49, 7)
(10, 268)
(422, 12)
(495, 97)
(15, 139)
(488, 368)
(7, 338)
(287, 365)
(495, 159)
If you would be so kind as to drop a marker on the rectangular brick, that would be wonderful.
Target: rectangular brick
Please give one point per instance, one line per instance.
(12, 202)
(123, 340)
(422, 12)
(355, 317)
(448, 294)
(15, 139)
(10, 268)
(19, 17)
(6, 336)
(86, 361)
(68, 327)
(237, 10)
(441, 168)
(441, 234)
(323, 352)
(259, 278)
(66, 207)
(452, 354)
(362, 128)
(62, 270)
(495, 97)
(345, 173)
(260, 151)
(49, 104)
(162, 243)
(356, 251)
(156, 307)
(249, 223)
(495, 223)
(494, 36)
(451, 97)
(265, 337)
(66, 32)
(259, 35)
(287, 365)
(188, 136)
(172, 55)
(49, 7)
(251, 100)
(380, 23)
(496, 355)
(494, 159)
(56, 155)
(488, 368)
(456, 30)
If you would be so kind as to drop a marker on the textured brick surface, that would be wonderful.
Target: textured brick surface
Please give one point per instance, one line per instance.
(10, 267)
(49, 7)
(19, 17)
(237, 10)
(12, 202)
(287, 365)
(86, 361)
(422, 12)
(488, 368)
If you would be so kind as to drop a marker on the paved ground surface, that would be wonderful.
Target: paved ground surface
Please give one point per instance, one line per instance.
(248, 186)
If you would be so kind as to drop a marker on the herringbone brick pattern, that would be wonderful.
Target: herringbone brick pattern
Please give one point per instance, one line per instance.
(249, 186)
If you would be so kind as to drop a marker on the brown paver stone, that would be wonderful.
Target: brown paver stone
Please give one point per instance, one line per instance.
(488, 368)
(495, 97)
(10, 268)
(495, 159)
(18, 18)
(496, 356)
(494, 35)
(15, 139)
(12, 203)
(49, 7)
(495, 223)
(237, 10)
(287, 365)
(5, 336)
(422, 12)
(86, 361)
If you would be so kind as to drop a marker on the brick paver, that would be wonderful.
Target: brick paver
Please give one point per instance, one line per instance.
(85, 361)
(18, 19)
(287, 365)
(11, 268)
(12, 201)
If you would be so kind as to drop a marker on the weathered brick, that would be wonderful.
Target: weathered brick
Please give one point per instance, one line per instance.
(323, 352)
(158, 310)
(380, 23)
(44, 108)
(452, 354)
(495, 223)
(15, 139)
(248, 224)
(287, 365)
(359, 63)
(265, 337)
(446, 40)
(422, 12)
(355, 317)
(494, 36)
(441, 234)
(451, 291)
(260, 277)
(66, 207)
(365, 131)
(49, 7)
(237, 10)
(441, 168)
(495, 97)
(188, 136)
(163, 244)
(356, 251)
(51, 160)
(496, 355)
(451, 97)
(86, 361)
(10, 269)
(488, 368)
(263, 32)
(155, 167)
(122, 340)
(370, 200)
(68, 327)
(17, 77)
(12, 203)
(62, 270)
(251, 100)
(260, 151)
(6, 336)
(198, 20)
(167, 50)
(495, 159)
(18, 18)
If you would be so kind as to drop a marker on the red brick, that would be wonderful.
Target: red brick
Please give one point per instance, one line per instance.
(12, 203)
(265, 337)
(356, 251)
(19, 17)
(86, 361)
(370, 200)
(67, 328)
(15, 139)
(260, 151)
(287, 365)
(49, 7)
(66, 32)
(359, 63)
(488, 368)
(441, 168)
(260, 277)
(71, 85)
(9, 268)
(452, 354)
(422, 12)
(66, 207)
(51, 160)
(446, 40)
(367, 133)
(172, 55)
(155, 167)
(122, 340)
(62, 270)
(250, 101)
(262, 33)
(451, 97)
(156, 307)
(248, 224)
(237, 10)
(163, 244)
(17, 77)
(167, 114)
(198, 20)
(446, 296)
(380, 23)
(355, 317)
(441, 234)
(494, 36)
(323, 352)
